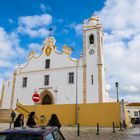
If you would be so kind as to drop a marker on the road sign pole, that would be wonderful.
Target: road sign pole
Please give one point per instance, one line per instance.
(34, 106)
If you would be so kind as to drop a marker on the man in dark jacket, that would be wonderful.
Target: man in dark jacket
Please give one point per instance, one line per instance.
(13, 115)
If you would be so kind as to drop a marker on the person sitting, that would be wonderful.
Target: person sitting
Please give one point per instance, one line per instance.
(54, 121)
(19, 122)
(31, 122)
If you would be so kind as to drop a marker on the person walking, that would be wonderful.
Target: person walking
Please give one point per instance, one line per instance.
(13, 115)
(31, 122)
(54, 121)
(19, 122)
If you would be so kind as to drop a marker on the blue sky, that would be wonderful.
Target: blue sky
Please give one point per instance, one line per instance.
(24, 25)
(64, 13)
(64, 18)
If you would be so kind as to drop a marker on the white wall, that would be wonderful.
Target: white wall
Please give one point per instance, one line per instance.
(132, 109)
(7, 94)
(60, 66)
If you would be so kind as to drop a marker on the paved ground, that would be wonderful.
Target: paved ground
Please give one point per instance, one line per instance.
(89, 133)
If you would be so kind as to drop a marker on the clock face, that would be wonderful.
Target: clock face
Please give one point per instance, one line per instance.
(91, 51)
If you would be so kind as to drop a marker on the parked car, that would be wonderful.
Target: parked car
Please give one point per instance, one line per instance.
(26, 133)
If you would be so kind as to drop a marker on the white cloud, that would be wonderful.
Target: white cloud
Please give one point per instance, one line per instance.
(36, 47)
(35, 21)
(78, 29)
(40, 33)
(131, 98)
(130, 88)
(5, 64)
(44, 8)
(120, 20)
(8, 45)
(35, 26)
(10, 53)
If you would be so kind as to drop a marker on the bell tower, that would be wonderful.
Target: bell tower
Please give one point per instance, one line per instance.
(93, 63)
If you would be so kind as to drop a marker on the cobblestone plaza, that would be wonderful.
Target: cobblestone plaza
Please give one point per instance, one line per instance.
(89, 133)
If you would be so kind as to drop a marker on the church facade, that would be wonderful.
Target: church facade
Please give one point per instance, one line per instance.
(57, 77)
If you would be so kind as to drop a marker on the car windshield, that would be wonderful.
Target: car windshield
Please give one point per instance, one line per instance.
(19, 137)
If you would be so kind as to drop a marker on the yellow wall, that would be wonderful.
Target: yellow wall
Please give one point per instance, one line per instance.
(89, 114)
(102, 113)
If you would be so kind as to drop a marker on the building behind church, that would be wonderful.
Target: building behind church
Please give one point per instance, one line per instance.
(57, 77)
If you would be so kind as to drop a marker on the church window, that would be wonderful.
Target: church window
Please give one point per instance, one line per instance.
(71, 77)
(24, 82)
(135, 113)
(92, 79)
(46, 81)
(91, 39)
(47, 65)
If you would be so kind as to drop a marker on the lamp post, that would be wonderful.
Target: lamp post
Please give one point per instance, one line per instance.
(76, 116)
(117, 84)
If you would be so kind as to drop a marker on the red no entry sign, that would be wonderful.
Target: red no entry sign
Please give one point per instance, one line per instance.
(35, 97)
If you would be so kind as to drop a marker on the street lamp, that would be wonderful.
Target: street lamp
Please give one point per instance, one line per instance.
(117, 84)
(76, 116)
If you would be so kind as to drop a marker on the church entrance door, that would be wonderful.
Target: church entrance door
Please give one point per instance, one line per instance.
(47, 100)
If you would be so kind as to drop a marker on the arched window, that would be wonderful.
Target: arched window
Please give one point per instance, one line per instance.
(91, 39)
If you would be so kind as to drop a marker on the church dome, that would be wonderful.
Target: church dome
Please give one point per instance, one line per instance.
(92, 21)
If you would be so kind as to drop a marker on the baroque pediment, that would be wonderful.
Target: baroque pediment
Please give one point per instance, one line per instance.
(49, 45)
(66, 49)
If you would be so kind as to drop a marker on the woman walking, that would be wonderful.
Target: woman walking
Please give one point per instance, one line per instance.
(54, 121)
(31, 121)
(19, 122)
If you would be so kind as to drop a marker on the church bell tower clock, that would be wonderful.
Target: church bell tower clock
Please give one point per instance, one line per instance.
(93, 62)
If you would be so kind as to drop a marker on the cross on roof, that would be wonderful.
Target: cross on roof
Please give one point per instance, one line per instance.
(50, 29)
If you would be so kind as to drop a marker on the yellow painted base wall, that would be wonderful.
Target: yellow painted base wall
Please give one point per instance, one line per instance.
(89, 114)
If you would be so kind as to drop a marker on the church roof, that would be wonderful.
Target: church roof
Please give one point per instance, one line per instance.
(134, 104)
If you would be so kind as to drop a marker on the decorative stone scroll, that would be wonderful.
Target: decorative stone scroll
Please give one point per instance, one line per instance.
(31, 54)
(66, 49)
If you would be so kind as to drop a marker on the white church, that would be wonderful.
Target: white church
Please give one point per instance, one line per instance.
(57, 77)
